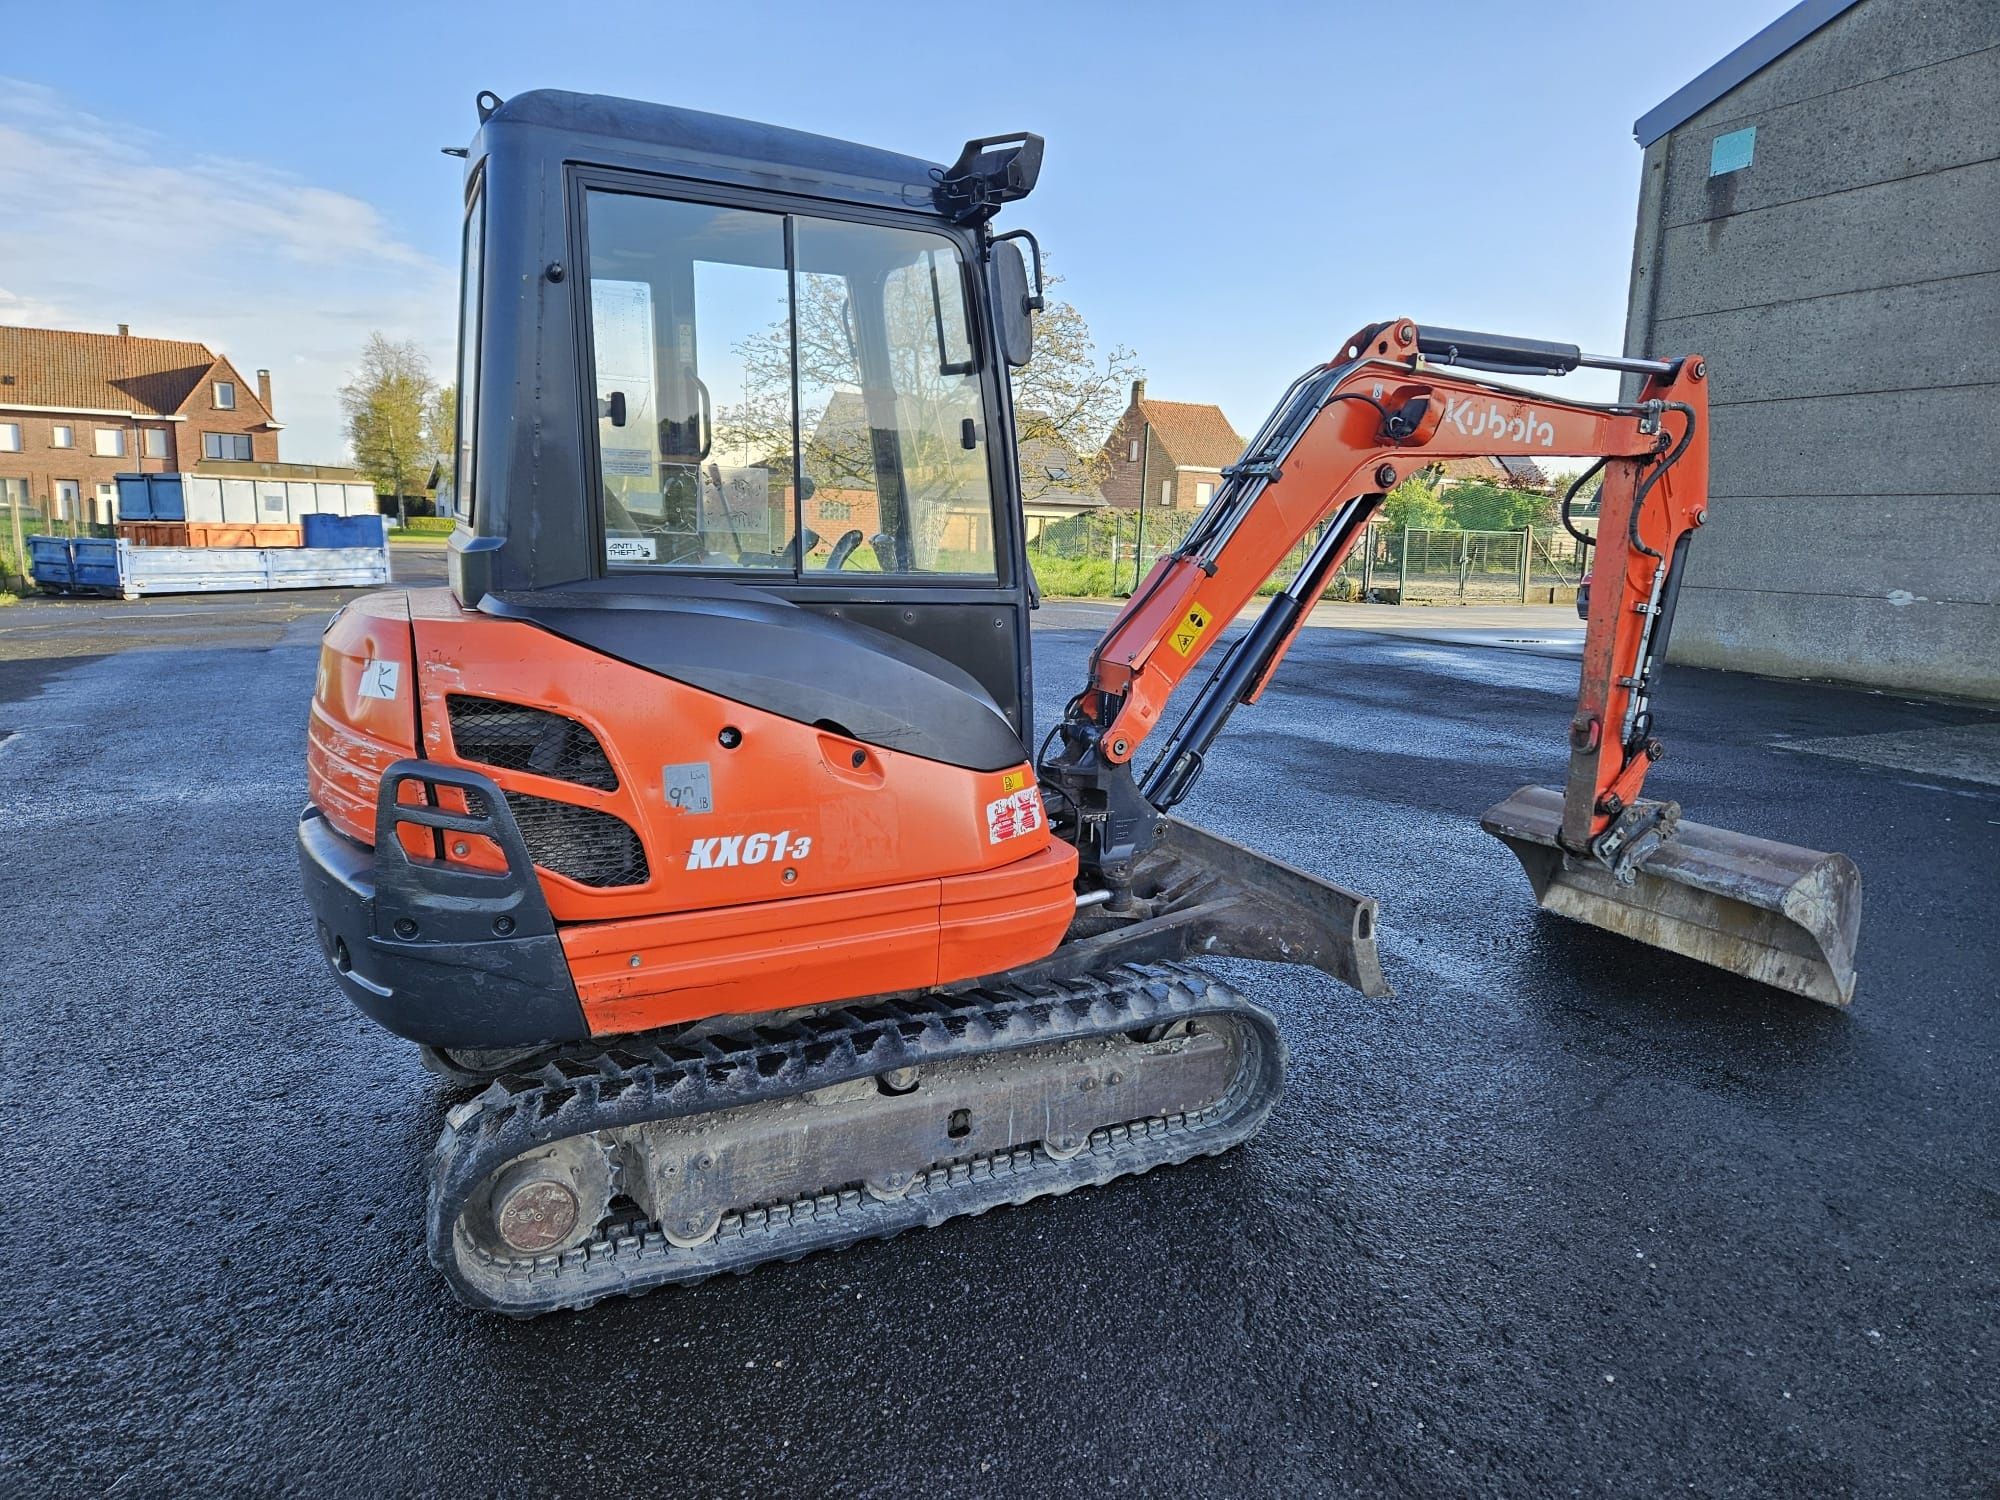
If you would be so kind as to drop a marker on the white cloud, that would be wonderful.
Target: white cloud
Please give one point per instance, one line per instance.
(100, 225)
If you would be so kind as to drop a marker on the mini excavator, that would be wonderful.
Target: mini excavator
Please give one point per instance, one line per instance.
(695, 827)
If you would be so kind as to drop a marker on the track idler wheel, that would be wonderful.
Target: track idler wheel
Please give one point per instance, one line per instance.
(543, 1203)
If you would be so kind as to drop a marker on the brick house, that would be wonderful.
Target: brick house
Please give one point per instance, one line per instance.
(1178, 448)
(77, 409)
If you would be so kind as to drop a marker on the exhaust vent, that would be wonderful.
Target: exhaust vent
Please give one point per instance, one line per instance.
(515, 737)
(590, 847)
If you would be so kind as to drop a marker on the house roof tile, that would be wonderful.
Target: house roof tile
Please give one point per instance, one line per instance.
(1195, 435)
(99, 371)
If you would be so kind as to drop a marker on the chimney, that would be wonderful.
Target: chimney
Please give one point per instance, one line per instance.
(1138, 390)
(124, 330)
(264, 390)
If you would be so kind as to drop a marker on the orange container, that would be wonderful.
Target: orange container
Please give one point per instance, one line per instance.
(207, 534)
(227, 534)
(154, 533)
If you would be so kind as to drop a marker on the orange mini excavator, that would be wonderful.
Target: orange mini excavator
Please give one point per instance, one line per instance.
(696, 824)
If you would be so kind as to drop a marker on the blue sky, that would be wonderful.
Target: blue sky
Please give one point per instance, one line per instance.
(1230, 189)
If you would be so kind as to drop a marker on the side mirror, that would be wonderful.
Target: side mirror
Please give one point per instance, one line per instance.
(1015, 302)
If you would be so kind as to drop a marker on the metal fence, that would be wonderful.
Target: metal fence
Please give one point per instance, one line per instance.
(1479, 567)
(1103, 554)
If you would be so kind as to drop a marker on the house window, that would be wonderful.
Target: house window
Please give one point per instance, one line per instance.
(225, 395)
(107, 504)
(110, 442)
(156, 442)
(228, 445)
(1133, 456)
(836, 510)
(67, 491)
(1166, 494)
(1203, 493)
(62, 436)
(10, 437)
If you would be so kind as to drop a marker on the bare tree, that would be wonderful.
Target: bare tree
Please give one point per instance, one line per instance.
(441, 438)
(1069, 395)
(386, 403)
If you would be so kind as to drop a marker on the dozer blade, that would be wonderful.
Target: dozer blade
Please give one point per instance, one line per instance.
(1772, 912)
(1198, 895)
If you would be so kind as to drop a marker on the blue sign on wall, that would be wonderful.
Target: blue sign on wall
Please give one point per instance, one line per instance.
(1732, 152)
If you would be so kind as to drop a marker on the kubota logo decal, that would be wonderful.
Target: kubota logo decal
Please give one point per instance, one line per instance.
(1491, 420)
(747, 849)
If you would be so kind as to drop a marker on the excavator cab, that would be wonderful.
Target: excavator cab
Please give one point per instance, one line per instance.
(698, 351)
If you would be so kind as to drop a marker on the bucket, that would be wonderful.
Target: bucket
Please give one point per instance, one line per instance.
(1781, 915)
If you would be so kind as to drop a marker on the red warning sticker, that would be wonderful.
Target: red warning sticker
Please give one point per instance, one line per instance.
(1010, 817)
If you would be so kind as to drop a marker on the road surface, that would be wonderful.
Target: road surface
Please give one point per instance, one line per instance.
(1561, 1217)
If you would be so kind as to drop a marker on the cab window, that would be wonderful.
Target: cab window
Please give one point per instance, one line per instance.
(784, 394)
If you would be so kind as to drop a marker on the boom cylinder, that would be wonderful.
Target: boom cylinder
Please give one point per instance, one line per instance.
(1249, 661)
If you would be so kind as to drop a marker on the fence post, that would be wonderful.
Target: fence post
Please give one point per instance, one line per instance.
(20, 547)
(1367, 560)
(1464, 562)
(1527, 552)
(1403, 571)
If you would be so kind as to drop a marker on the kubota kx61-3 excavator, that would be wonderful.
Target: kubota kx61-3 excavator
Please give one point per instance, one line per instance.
(698, 819)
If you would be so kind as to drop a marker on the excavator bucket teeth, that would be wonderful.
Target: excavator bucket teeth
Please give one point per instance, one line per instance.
(1772, 912)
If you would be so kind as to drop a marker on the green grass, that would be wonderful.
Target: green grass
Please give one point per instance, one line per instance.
(423, 528)
(1074, 578)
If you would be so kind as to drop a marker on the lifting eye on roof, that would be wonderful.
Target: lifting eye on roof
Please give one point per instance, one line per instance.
(487, 103)
(990, 171)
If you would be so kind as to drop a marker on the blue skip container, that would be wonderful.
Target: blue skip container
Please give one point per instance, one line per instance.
(322, 530)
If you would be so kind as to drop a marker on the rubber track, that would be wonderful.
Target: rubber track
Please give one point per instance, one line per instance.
(586, 1089)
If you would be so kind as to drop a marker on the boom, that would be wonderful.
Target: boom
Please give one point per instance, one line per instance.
(1341, 438)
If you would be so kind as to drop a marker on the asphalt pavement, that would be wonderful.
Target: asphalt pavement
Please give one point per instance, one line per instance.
(1564, 1216)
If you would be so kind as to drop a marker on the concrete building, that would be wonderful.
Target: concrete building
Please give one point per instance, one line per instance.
(78, 409)
(1819, 215)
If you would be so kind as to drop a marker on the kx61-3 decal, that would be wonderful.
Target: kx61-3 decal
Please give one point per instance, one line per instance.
(732, 849)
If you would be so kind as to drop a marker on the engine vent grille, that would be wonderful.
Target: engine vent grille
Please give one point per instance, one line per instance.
(515, 737)
(590, 847)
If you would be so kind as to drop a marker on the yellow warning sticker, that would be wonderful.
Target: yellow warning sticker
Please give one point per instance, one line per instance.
(1190, 629)
(1013, 781)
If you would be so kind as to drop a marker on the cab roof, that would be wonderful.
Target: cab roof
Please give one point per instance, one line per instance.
(714, 148)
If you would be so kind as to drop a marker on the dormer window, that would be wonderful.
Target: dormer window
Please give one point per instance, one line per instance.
(225, 395)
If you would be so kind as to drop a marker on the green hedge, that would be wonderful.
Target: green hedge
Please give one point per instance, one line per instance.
(1073, 578)
(426, 526)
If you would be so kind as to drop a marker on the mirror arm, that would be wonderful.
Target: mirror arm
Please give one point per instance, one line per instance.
(1038, 300)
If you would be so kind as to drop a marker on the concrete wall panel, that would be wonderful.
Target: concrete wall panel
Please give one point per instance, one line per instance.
(1937, 442)
(1883, 234)
(1914, 647)
(1935, 333)
(1923, 121)
(1933, 548)
(1871, 41)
